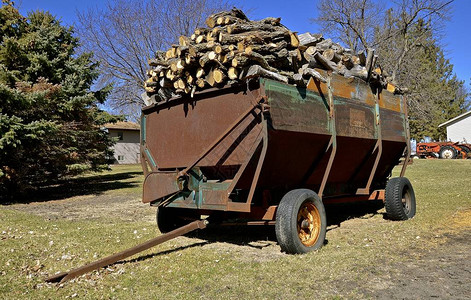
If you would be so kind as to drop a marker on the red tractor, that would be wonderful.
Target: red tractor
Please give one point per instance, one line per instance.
(447, 150)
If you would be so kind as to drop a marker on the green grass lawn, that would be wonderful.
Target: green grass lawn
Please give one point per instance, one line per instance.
(360, 256)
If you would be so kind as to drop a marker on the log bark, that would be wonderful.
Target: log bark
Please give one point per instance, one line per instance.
(211, 21)
(262, 61)
(256, 71)
(362, 57)
(337, 48)
(266, 48)
(165, 82)
(254, 37)
(160, 55)
(200, 31)
(252, 26)
(165, 93)
(324, 45)
(347, 62)
(239, 61)
(369, 60)
(299, 80)
(327, 64)
(308, 39)
(357, 71)
(313, 73)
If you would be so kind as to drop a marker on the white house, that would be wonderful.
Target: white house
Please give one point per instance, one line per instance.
(458, 129)
(127, 148)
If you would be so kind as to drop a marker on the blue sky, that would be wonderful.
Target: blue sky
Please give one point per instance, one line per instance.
(456, 41)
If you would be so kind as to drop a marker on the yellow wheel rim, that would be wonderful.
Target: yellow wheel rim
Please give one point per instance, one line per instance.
(309, 224)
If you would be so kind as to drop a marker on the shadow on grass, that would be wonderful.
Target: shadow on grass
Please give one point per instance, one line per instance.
(80, 186)
(339, 213)
(254, 236)
(245, 235)
(152, 255)
(241, 235)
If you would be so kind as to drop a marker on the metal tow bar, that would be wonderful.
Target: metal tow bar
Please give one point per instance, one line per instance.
(65, 276)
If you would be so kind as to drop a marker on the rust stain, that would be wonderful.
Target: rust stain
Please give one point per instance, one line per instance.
(389, 101)
(357, 118)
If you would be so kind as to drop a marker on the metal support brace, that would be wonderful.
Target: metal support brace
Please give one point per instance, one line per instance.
(408, 148)
(378, 147)
(263, 139)
(333, 138)
(219, 140)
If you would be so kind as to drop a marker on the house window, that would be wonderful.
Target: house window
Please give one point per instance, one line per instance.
(120, 135)
(120, 157)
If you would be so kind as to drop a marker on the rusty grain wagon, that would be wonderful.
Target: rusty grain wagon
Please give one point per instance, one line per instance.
(272, 153)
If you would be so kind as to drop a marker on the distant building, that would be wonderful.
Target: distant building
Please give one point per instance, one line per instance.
(459, 129)
(127, 148)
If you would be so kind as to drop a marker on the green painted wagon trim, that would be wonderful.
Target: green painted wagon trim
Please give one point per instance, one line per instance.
(149, 156)
(143, 130)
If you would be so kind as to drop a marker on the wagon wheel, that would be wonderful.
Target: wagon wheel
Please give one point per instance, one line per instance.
(466, 151)
(399, 199)
(300, 222)
(447, 152)
(169, 218)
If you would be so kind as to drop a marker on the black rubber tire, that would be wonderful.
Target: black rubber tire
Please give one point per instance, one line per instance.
(397, 190)
(444, 150)
(169, 218)
(466, 151)
(286, 227)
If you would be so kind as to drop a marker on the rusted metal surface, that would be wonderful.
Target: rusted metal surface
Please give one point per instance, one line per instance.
(333, 140)
(218, 140)
(308, 224)
(249, 146)
(378, 150)
(377, 195)
(159, 184)
(62, 277)
(177, 135)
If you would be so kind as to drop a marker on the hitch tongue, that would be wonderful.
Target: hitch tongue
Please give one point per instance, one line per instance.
(65, 276)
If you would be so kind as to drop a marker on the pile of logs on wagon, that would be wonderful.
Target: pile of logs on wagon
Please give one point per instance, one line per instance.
(233, 49)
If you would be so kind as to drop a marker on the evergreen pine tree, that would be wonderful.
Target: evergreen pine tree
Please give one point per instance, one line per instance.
(49, 118)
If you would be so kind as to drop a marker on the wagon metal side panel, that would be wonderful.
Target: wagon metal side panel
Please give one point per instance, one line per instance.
(211, 136)
(302, 128)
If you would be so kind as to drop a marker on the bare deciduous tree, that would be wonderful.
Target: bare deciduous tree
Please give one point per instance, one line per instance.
(399, 30)
(405, 36)
(350, 21)
(363, 23)
(125, 34)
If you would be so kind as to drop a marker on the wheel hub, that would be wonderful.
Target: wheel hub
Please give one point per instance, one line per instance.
(406, 201)
(447, 154)
(309, 224)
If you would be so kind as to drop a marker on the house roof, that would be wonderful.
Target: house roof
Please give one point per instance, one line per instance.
(456, 119)
(123, 126)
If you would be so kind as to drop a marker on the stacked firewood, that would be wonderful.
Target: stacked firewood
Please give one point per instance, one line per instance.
(233, 49)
